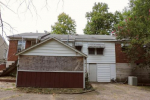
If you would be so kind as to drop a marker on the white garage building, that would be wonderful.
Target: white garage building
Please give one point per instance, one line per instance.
(101, 60)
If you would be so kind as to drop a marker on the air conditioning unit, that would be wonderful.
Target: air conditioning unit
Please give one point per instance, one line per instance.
(132, 80)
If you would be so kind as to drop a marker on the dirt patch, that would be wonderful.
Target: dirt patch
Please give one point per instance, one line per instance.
(7, 86)
(122, 91)
(53, 90)
(7, 79)
(88, 88)
(107, 91)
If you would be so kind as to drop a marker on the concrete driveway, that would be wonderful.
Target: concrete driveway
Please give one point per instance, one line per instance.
(105, 91)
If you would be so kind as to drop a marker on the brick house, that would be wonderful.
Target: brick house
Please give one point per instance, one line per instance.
(105, 59)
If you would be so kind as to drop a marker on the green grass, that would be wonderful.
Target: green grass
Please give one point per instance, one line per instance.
(13, 84)
(145, 88)
(8, 89)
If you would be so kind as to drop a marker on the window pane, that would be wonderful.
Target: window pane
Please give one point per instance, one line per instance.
(78, 48)
(99, 50)
(91, 51)
(124, 48)
(21, 45)
(33, 43)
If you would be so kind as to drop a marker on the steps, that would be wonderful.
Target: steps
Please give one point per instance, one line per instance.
(9, 69)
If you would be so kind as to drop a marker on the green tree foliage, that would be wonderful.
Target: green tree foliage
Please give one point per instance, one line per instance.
(65, 25)
(135, 29)
(100, 21)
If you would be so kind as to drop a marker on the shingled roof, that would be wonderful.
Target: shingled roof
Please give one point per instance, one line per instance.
(43, 36)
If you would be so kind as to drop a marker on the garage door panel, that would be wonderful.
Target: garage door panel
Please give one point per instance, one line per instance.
(104, 81)
(103, 72)
(103, 75)
(103, 68)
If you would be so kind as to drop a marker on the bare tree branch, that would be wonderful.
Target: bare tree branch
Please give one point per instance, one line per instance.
(7, 7)
(23, 6)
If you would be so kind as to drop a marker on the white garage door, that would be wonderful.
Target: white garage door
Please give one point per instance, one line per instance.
(103, 72)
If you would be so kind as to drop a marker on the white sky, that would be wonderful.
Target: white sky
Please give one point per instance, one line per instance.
(76, 9)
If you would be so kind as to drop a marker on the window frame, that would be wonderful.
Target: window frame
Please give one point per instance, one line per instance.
(89, 51)
(78, 49)
(102, 51)
(5, 53)
(20, 42)
(33, 43)
(95, 52)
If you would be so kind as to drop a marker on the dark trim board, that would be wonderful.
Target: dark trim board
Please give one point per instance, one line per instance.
(50, 79)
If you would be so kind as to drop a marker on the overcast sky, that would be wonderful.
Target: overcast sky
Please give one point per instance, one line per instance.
(26, 21)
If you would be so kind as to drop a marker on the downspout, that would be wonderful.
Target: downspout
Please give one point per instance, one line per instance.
(17, 70)
(22, 44)
(68, 40)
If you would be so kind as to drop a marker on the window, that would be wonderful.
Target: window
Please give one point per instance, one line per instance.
(5, 53)
(95, 51)
(78, 47)
(33, 43)
(21, 45)
(124, 46)
(91, 51)
(99, 51)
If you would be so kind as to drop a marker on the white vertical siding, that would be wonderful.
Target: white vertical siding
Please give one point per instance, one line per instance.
(51, 48)
(3, 49)
(108, 54)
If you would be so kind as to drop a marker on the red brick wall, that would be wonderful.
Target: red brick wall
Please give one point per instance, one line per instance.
(2, 66)
(28, 44)
(120, 56)
(12, 50)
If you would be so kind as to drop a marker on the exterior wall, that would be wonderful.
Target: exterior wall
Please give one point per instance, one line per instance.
(108, 57)
(2, 66)
(112, 70)
(51, 72)
(12, 50)
(9, 63)
(50, 79)
(3, 48)
(28, 44)
(125, 69)
(51, 48)
(11, 58)
(108, 54)
(120, 56)
(49, 63)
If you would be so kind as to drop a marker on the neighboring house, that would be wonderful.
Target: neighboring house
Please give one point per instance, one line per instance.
(3, 52)
(19, 42)
(105, 59)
